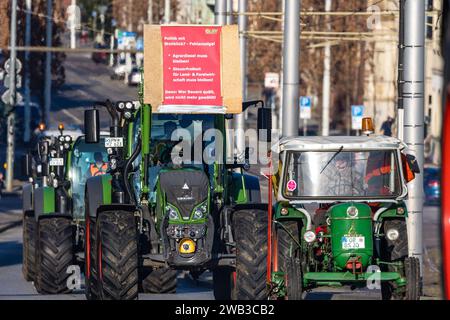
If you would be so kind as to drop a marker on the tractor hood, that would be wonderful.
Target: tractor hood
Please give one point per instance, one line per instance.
(184, 189)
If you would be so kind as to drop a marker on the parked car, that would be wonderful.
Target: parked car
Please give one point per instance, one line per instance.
(431, 181)
(134, 78)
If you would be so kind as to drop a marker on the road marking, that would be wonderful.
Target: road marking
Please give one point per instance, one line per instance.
(72, 116)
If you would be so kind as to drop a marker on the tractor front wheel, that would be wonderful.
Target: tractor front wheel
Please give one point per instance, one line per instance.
(161, 280)
(54, 255)
(411, 291)
(117, 256)
(289, 258)
(250, 233)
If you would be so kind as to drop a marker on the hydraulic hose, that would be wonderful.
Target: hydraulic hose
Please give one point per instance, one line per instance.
(126, 170)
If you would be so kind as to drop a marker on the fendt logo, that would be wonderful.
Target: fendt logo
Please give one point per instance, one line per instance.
(211, 31)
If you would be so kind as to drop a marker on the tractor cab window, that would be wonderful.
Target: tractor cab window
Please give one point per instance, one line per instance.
(87, 160)
(179, 140)
(342, 175)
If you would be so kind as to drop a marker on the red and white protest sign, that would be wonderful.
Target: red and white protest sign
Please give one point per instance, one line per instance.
(192, 69)
(191, 66)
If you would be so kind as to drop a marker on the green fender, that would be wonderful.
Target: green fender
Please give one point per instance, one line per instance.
(98, 193)
(44, 201)
(245, 188)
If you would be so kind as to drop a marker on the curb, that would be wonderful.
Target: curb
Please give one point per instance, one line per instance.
(10, 225)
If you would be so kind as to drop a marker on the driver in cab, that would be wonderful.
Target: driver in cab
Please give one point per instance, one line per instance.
(98, 168)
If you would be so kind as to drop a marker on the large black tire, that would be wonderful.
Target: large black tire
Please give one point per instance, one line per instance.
(394, 251)
(161, 280)
(250, 232)
(411, 271)
(28, 249)
(91, 283)
(117, 253)
(289, 258)
(223, 283)
(54, 255)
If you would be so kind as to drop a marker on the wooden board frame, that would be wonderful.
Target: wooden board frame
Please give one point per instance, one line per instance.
(231, 83)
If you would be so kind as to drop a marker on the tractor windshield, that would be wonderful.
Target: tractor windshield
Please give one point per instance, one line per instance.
(182, 136)
(86, 160)
(183, 140)
(342, 174)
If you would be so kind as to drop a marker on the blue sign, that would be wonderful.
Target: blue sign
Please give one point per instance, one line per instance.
(357, 111)
(305, 102)
(305, 107)
(357, 116)
(140, 44)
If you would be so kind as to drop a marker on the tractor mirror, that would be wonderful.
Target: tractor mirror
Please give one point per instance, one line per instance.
(92, 126)
(264, 124)
(413, 164)
(27, 165)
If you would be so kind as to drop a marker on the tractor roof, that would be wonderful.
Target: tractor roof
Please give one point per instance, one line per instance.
(320, 143)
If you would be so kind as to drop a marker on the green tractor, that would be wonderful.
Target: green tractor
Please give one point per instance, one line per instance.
(340, 217)
(53, 209)
(152, 214)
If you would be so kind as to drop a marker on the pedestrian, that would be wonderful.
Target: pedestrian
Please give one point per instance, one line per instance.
(386, 127)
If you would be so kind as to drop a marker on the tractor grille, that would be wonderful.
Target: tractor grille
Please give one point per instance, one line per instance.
(184, 189)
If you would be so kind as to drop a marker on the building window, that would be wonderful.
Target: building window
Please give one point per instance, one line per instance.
(429, 27)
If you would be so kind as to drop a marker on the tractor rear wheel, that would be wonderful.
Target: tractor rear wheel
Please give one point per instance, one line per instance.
(223, 283)
(161, 280)
(250, 233)
(117, 256)
(29, 252)
(91, 283)
(54, 255)
(289, 258)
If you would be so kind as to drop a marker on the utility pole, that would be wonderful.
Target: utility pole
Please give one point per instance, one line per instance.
(220, 18)
(12, 99)
(401, 40)
(413, 102)
(166, 11)
(48, 62)
(326, 84)
(230, 11)
(239, 122)
(291, 53)
(27, 115)
(150, 12)
(73, 34)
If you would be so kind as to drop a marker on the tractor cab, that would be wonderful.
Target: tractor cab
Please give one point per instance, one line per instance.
(343, 197)
(85, 160)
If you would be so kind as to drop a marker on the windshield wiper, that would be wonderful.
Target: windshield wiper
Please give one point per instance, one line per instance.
(332, 158)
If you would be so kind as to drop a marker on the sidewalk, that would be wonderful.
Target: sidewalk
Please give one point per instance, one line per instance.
(10, 210)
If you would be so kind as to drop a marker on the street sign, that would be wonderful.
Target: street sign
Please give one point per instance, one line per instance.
(357, 116)
(305, 107)
(6, 97)
(272, 80)
(7, 81)
(7, 65)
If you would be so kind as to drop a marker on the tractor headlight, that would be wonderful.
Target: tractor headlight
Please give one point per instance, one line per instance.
(309, 236)
(121, 105)
(129, 105)
(61, 138)
(66, 145)
(173, 214)
(200, 211)
(68, 138)
(352, 212)
(392, 234)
